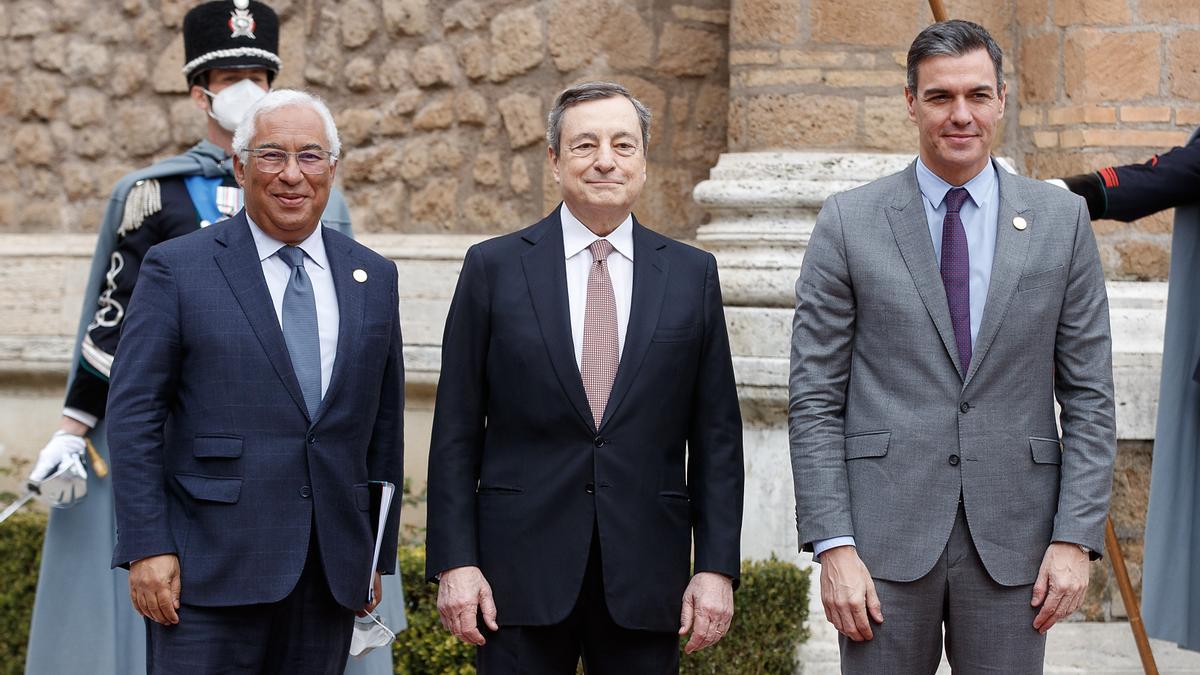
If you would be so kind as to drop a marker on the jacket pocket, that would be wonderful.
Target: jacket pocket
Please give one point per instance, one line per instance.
(681, 334)
(675, 496)
(211, 488)
(498, 490)
(869, 444)
(217, 446)
(1045, 450)
(1039, 279)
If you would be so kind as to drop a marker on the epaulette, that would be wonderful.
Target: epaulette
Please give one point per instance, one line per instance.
(143, 201)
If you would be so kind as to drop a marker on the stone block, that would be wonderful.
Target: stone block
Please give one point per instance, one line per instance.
(406, 17)
(388, 208)
(293, 48)
(356, 125)
(8, 96)
(437, 114)
(374, 164)
(773, 77)
(1145, 114)
(1032, 13)
(79, 181)
(406, 101)
(1144, 259)
(358, 20)
(790, 121)
(1040, 67)
(517, 42)
(325, 50)
(1169, 12)
(393, 72)
(886, 125)
(892, 79)
(753, 57)
(4, 21)
(434, 65)
(50, 51)
(1045, 139)
(626, 40)
(94, 142)
(1114, 138)
(141, 128)
(1183, 63)
(717, 17)
(518, 175)
(1082, 114)
(486, 170)
(485, 213)
(862, 22)
(33, 144)
(1187, 116)
(28, 18)
(127, 75)
(1030, 117)
(359, 75)
(571, 27)
(522, 115)
(815, 59)
(685, 51)
(1091, 73)
(39, 94)
(475, 57)
(435, 204)
(167, 76)
(85, 107)
(467, 14)
(90, 62)
(1091, 12)
(765, 22)
(471, 107)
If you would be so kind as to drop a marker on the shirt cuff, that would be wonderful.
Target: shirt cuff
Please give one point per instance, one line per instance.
(823, 545)
(80, 416)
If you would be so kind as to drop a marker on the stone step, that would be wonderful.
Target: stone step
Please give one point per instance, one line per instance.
(1076, 648)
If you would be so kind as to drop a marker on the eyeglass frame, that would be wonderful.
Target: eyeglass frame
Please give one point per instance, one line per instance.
(328, 156)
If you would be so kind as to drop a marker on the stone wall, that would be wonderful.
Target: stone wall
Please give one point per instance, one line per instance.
(441, 103)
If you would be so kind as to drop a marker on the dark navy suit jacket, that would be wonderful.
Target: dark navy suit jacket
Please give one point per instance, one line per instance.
(214, 456)
(518, 472)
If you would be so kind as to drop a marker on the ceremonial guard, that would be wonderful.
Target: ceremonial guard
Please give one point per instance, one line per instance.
(83, 621)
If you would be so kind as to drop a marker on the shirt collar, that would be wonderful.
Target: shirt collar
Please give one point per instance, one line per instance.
(934, 189)
(313, 246)
(577, 237)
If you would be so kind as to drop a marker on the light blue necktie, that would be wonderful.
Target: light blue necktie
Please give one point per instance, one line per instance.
(300, 328)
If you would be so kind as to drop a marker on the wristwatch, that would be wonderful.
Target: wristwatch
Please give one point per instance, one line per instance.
(1086, 551)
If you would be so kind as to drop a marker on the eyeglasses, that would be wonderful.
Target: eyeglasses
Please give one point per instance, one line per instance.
(271, 160)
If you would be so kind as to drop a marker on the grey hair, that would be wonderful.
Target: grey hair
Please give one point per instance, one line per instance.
(284, 98)
(953, 38)
(592, 91)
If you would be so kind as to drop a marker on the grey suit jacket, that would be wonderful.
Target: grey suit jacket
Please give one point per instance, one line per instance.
(886, 427)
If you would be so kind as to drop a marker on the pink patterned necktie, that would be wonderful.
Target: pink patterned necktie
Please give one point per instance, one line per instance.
(601, 352)
(956, 273)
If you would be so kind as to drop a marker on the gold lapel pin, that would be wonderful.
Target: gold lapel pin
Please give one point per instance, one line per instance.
(360, 275)
(1020, 223)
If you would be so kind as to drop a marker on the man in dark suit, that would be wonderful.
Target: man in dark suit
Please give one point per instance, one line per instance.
(257, 388)
(587, 429)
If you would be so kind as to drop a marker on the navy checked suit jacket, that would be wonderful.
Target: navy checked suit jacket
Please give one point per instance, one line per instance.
(214, 456)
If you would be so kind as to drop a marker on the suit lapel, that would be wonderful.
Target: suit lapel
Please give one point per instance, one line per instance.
(243, 272)
(546, 275)
(649, 287)
(1012, 248)
(910, 226)
(351, 299)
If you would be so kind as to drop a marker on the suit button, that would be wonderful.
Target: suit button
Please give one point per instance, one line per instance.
(964, 407)
(599, 442)
(312, 439)
(590, 489)
(306, 492)
(953, 460)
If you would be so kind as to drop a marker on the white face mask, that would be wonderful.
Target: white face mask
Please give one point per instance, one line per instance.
(230, 106)
(369, 635)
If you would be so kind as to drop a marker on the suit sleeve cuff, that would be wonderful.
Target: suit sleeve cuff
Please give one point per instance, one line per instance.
(822, 545)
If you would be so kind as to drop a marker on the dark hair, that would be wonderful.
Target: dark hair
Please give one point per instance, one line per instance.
(591, 91)
(953, 38)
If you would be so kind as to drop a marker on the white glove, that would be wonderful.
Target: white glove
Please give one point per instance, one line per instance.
(1057, 182)
(62, 445)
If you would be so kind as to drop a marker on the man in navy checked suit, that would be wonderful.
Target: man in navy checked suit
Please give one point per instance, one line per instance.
(241, 461)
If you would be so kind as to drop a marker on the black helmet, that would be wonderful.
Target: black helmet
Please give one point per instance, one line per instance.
(230, 34)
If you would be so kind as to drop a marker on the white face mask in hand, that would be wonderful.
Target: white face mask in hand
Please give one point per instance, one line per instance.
(369, 634)
(230, 106)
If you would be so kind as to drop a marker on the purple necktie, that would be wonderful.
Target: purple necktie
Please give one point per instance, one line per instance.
(956, 274)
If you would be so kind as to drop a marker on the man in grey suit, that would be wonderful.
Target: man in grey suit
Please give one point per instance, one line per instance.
(940, 312)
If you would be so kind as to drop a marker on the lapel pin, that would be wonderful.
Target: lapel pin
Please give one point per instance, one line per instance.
(360, 276)
(1020, 223)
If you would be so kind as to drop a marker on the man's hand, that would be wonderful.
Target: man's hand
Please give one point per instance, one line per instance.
(462, 593)
(62, 445)
(154, 588)
(378, 595)
(707, 610)
(848, 593)
(1061, 582)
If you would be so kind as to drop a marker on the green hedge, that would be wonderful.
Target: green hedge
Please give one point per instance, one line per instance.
(772, 605)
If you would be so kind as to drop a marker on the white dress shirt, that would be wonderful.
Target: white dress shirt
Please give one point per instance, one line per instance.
(316, 266)
(576, 239)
